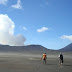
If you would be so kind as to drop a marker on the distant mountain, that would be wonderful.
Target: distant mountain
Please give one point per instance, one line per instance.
(67, 48)
(6, 48)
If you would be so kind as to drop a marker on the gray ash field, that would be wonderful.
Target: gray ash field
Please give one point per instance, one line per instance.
(30, 62)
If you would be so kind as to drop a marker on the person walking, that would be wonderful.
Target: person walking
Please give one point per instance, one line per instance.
(44, 57)
(60, 59)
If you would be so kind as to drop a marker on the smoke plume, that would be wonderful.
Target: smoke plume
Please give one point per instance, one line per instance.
(7, 36)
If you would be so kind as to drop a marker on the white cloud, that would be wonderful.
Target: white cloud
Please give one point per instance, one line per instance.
(18, 5)
(42, 29)
(24, 28)
(7, 36)
(67, 37)
(4, 2)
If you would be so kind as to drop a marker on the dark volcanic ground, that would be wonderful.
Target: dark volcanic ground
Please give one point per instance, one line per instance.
(22, 62)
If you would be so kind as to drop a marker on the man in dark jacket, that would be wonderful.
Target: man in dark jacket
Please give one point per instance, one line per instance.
(61, 59)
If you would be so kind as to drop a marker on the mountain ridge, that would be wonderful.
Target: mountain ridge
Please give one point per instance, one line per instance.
(67, 48)
(7, 48)
(23, 48)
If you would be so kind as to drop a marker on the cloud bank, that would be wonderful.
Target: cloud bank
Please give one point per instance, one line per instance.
(67, 37)
(4, 2)
(18, 5)
(7, 36)
(42, 29)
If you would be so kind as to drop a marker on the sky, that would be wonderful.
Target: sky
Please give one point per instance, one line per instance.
(40, 22)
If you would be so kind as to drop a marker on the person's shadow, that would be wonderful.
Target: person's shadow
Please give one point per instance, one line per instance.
(67, 65)
(50, 64)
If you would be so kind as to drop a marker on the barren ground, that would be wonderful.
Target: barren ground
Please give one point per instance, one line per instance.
(20, 62)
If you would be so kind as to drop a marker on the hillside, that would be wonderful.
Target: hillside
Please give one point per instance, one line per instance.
(67, 48)
(6, 48)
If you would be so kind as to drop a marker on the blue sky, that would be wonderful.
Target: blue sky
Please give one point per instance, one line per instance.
(44, 22)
